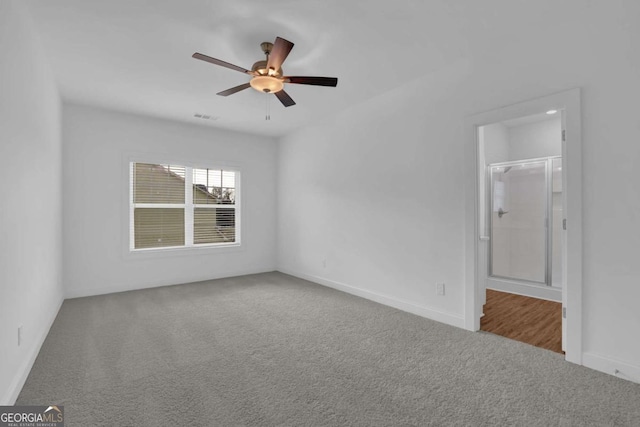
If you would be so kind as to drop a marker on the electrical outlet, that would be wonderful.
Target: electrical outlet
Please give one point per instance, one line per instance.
(439, 288)
(19, 335)
(324, 263)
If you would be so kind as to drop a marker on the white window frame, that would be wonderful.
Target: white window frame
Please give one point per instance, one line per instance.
(189, 209)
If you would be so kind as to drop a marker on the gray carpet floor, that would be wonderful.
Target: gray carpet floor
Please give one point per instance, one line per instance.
(273, 350)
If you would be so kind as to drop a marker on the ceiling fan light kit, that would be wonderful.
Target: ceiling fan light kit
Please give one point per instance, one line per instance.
(267, 75)
(266, 84)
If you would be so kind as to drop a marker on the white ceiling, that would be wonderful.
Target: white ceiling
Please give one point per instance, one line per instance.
(135, 55)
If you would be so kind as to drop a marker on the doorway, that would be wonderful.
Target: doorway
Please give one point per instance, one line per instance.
(522, 162)
(514, 270)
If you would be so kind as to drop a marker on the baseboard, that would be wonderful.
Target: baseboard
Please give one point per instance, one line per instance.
(611, 366)
(541, 292)
(23, 371)
(429, 313)
(81, 292)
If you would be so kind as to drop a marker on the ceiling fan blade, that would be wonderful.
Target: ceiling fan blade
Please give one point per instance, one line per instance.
(234, 89)
(279, 53)
(316, 81)
(219, 62)
(284, 97)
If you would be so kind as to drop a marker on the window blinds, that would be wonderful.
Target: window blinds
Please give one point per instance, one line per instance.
(179, 206)
(213, 224)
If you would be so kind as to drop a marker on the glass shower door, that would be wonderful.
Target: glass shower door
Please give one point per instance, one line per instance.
(519, 203)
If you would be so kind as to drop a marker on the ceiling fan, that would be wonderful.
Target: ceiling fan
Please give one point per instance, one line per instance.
(267, 75)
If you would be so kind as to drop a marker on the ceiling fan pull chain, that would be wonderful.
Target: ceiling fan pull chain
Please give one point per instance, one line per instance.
(267, 107)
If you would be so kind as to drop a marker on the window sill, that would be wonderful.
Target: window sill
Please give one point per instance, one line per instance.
(200, 250)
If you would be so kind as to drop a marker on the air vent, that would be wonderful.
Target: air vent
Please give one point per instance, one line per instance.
(204, 116)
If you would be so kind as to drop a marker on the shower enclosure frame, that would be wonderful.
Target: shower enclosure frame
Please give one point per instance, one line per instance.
(548, 208)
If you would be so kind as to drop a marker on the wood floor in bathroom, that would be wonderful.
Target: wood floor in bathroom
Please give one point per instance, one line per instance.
(530, 320)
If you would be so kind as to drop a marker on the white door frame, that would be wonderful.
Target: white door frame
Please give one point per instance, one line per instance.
(569, 103)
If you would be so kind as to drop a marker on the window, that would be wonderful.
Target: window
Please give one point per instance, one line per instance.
(179, 206)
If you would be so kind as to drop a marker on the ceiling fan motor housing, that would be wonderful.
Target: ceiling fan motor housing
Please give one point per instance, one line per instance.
(260, 67)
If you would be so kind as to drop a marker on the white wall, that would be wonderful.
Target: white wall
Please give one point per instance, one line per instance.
(96, 149)
(533, 140)
(377, 193)
(495, 143)
(500, 143)
(30, 195)
(378, 190)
